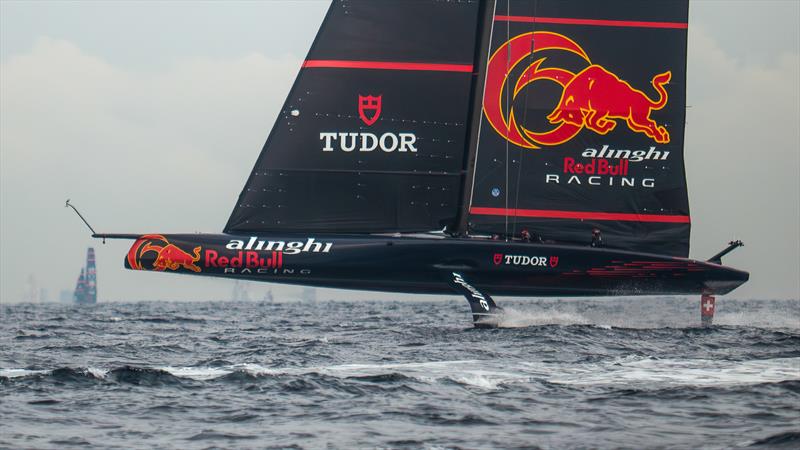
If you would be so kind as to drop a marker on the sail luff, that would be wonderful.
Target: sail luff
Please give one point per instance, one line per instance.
(482, 50)
(241, 198)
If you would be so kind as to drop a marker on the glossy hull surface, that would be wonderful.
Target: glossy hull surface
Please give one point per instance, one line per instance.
(425, 265)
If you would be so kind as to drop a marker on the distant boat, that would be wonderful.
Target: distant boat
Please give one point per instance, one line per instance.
(86, 288)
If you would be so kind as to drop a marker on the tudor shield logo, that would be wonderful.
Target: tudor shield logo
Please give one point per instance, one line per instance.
(553, 261)
(369, 108)
(498, 259)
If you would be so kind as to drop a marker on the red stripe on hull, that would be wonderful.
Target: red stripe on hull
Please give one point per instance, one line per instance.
(579, 215)
(386, 65)
(594, 22)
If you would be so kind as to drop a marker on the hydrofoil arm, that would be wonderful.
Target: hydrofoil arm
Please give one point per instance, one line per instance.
(484, 310)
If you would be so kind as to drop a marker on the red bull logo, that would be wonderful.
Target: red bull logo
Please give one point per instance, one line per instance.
(594, 98)
(167, 256)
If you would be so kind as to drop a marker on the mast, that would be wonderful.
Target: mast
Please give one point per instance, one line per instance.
(485, 26)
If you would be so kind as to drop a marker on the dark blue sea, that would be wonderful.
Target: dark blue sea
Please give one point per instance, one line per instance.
(622, 373)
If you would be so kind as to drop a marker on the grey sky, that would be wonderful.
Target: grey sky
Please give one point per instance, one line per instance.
(133, 108)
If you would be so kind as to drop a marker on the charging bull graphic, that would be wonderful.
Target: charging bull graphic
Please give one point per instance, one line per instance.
(594, 98)
(596, 95)
(167, 256)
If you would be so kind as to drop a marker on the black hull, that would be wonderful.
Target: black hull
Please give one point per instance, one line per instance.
(426, 265)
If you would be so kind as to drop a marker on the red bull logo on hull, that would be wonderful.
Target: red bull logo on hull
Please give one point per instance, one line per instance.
(167, 256)
(155, 252)
(594, 98)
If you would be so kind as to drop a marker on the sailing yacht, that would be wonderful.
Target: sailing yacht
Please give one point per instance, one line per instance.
(511, 148)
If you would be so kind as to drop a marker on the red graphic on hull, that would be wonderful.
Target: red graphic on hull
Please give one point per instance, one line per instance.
(250, 259)
(168, 256)
(498, 258)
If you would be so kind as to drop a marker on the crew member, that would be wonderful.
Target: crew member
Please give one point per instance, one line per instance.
(597, 238)
(527, 236)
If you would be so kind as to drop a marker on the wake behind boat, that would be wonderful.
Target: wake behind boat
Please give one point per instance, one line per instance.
(523, 148)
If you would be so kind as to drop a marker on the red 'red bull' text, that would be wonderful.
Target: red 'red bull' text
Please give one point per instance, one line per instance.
(247, 259)
(596, 166)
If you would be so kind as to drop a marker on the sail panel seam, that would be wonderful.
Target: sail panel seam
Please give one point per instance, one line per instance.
(580, 215)
(593, 22)
(370, 171)
(385, 65)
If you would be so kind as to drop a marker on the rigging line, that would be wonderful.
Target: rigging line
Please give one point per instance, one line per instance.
(508, 118)
(483, 98)
(524, 118)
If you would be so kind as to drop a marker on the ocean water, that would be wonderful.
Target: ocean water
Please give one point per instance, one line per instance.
(633, 373)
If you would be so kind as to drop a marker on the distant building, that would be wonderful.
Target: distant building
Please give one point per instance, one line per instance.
(241, 291)
(309, 295)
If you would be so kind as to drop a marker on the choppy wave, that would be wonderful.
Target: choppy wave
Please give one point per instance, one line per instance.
(487, 374)
(399, 375)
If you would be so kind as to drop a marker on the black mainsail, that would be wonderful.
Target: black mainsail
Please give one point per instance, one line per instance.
(583, 123)
(371, 138)
(476, 118)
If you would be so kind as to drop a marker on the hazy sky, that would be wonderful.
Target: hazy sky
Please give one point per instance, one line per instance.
(150, 115)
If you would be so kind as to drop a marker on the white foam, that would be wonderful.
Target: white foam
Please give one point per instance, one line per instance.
(672, 372)
(97, 372)
(16, 373)
(196, 373)
(761, 319)
(513, 318)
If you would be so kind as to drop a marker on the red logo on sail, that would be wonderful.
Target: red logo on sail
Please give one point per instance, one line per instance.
(594, 98)
(369, 108)
(553, 261)
(498, 258)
